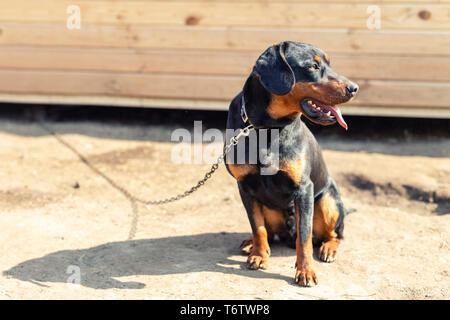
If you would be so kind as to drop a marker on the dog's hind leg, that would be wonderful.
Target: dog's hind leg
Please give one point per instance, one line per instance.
(328, 223)
(259, 245)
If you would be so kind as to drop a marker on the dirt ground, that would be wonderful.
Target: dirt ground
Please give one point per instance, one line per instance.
(63, 223)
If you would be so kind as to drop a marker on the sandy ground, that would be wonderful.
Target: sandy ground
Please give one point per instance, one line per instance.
(63, 223)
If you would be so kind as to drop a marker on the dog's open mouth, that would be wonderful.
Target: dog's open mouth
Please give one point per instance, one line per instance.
(321, 113)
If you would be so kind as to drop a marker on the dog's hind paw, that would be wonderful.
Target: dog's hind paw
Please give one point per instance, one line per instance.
(246, 246)
(327, 252)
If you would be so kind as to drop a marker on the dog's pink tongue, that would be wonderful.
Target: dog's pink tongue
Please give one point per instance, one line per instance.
(337, 113)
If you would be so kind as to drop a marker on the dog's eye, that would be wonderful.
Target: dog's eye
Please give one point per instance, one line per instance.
(314, 67)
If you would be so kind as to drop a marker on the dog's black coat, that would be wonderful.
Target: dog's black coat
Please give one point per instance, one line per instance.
(275, 75)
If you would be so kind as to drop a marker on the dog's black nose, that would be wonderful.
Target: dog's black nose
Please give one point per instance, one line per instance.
(352, 89)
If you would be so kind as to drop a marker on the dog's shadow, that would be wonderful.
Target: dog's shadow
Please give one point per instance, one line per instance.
(99, 266)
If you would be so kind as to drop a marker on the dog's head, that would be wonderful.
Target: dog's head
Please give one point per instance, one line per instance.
(294, 78)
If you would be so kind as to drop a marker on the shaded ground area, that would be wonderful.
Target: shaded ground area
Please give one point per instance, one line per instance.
(60, 218)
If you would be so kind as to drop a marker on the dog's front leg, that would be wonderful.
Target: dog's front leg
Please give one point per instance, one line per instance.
(304, 212)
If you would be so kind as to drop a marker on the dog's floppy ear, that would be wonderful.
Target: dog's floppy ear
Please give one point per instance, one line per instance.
(274, 72)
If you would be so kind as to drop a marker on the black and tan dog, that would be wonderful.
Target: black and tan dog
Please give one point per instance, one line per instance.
(299, 201)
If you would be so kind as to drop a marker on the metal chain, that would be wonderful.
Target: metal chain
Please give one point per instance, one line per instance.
(233, 141)
(133, 199)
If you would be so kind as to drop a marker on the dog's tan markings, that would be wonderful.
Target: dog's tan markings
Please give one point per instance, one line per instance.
(289, 104)
(239, 171)
(274, 219)
(329, 92)
(317, 58)
(327, 58)
(328, 250)
(293, 168)
(260, 249)
(326, 215)
(283, 106)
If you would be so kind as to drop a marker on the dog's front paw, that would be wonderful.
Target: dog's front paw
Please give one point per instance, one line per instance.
(306, 277)
(255, 262)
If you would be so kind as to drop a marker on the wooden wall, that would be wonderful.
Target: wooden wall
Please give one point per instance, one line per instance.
(197, 53)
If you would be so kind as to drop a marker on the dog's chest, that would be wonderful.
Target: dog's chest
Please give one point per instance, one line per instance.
(276, 189)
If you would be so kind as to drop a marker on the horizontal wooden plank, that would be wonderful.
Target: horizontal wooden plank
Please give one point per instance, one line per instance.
(310, 1)
(219, 105)
(236, 14)
(99, 100)
(230, 39)
(123, 84)
(403, 94)
(213, 62)
(129, 60)
(422, 68)
(372, 92)
(216, 62)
